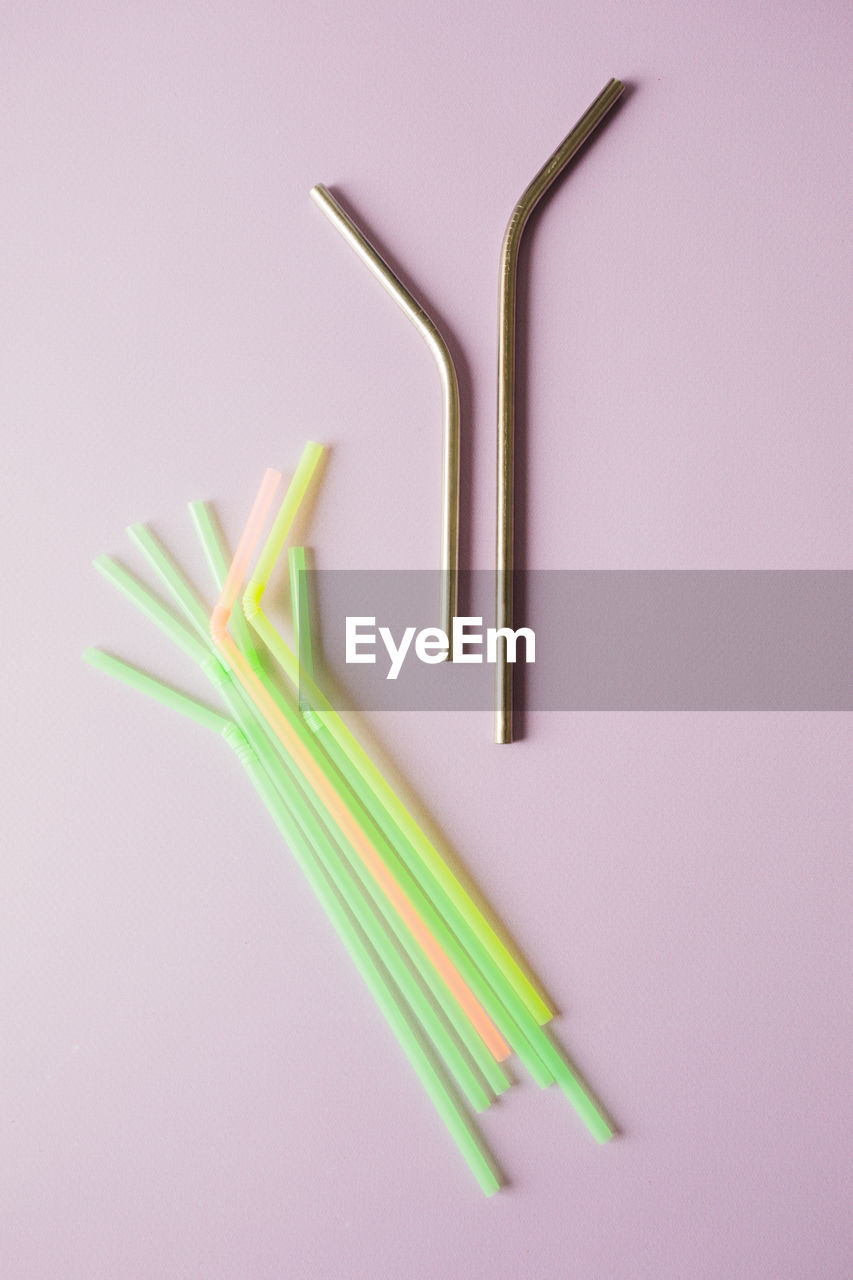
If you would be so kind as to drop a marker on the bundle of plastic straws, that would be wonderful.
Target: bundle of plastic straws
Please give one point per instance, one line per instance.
(455, 997)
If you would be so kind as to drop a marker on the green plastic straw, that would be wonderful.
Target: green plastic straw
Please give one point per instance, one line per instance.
(143, 683)
(372, 813)
(467, 918)
(191, 604)
(400, 1020)
(462, 1131)
(428, 918)
(506, 1008)
(322, 780)
(269, 747)
(490, 1069)
(301, 620)
(522, 1030)
(201, 651)
(511, 1014)
(215, 548)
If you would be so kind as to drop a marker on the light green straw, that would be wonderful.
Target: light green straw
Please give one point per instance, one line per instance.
(371, 818)
(535, 1048)
(512, 1013)
(468, 920)
(491, 1070)
(191, 604)
(538, 1052)
(531, 1042)
(458, 1124)
(215, 550)
(546, 1061)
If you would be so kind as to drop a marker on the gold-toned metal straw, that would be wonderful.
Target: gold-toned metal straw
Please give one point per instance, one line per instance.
(586, 126)
(449, 392)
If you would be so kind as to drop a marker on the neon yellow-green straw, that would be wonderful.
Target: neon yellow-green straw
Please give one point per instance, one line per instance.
(400, 1020)
(541, 1056)
(301, 618)
(316, 771)
(461, 909)
(512, 1013)
(545, 1061)
(371, 817)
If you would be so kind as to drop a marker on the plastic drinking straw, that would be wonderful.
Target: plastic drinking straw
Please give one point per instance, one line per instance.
(354, 762)
(542, 1058)
(490, 1069)
(460, 1128)
(153, 688)
(323, 787)
(462, 1131)
(365, 916)
(301, 620)
(172, 576)
(449, 392)
(203, 653)
(539, 1054)
(486, 994)
(537, 1051)
(586, 126)
(214, 549)
(517, 1039)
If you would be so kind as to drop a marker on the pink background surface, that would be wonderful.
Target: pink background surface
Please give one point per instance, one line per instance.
(194, 1081)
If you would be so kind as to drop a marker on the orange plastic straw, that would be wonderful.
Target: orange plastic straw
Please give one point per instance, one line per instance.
(324, 788)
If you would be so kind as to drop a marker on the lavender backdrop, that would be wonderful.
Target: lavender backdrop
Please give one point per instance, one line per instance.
(192, 1081)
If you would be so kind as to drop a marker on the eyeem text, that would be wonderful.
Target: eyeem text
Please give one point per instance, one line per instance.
(432, 645)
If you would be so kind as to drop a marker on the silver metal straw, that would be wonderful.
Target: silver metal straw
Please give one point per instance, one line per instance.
(449, 392)
(587, 125)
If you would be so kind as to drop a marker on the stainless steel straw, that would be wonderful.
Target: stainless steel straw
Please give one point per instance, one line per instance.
(449, 391)
(506, 386)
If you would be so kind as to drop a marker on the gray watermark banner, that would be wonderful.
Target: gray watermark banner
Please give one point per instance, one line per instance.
(605, 640)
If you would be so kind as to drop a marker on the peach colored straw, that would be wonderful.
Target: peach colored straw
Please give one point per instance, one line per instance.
(323, 787)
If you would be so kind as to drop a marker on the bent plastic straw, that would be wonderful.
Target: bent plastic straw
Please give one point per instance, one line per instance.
(214, 549)
(490, 1069)
(270, 746)
(536, 1050)
(457, 1123)
(324, 788)
(507, 1012)
(587, 125)
(343, 881)
(468, 921)
(539, 1054)
(356, 238)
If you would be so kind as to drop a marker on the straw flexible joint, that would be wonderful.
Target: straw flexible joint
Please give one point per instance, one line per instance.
(252, 599)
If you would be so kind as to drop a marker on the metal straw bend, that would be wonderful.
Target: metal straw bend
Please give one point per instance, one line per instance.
(449, 393)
